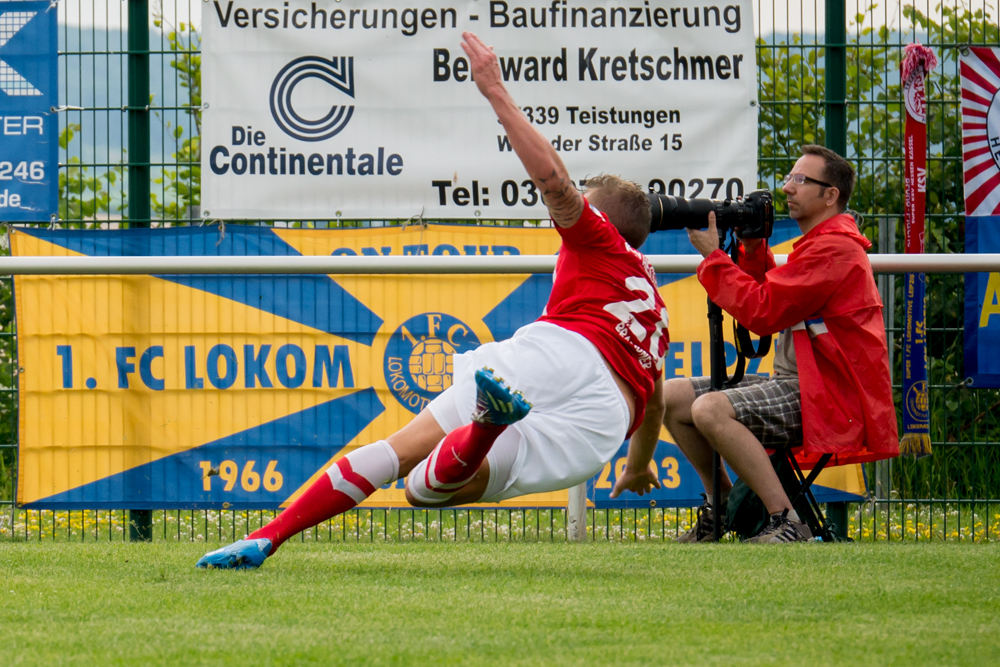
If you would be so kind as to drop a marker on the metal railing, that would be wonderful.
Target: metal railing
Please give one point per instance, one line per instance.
(423, 264)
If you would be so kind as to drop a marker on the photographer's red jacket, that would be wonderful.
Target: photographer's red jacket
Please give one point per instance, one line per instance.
(826, 293)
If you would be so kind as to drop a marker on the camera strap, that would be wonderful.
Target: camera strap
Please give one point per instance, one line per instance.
(745, 348)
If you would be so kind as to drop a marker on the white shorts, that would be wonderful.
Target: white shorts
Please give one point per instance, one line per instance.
(578, 418)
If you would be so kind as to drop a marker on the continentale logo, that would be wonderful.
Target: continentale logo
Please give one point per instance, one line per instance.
(337, 72)
(418, 358)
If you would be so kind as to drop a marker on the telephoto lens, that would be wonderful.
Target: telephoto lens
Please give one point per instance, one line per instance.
(752, 215)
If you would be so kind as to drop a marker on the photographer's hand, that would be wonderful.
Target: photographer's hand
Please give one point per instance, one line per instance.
(706, 241)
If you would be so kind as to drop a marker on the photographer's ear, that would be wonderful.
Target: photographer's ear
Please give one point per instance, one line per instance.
(831, 195)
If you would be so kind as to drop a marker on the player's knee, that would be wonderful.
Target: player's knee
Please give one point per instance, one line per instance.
(417, 497)
(678, 395)
(413, 500)
(709, 411)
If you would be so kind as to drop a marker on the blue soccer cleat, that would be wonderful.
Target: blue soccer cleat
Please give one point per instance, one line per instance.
(241, 555)
(496, 404)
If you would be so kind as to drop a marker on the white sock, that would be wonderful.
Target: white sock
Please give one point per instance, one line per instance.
(416, 483)
(376, 464)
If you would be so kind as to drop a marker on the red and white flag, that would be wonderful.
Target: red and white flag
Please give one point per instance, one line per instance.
(980, 70)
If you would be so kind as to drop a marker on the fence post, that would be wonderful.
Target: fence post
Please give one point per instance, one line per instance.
(140, 525)
(576, 514)
(138, 113)
(887, 290)
(835, 105)
(836, 139)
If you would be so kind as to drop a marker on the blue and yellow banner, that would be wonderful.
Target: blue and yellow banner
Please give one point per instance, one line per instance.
(982, 305)
(191, 392)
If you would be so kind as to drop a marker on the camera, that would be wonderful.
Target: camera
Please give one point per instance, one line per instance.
(751, 215)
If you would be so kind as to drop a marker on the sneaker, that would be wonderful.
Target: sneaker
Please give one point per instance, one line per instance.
(703, 529)
(781, 530)
(241, 555)
(496, 404)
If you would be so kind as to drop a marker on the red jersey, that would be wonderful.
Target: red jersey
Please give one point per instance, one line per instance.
(605, 290)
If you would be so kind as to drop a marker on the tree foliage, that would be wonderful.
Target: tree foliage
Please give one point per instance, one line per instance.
(181, 186)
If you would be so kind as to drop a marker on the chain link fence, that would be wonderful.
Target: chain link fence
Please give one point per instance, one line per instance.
(828, 74)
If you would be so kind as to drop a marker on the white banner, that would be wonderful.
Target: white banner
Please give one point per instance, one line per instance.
(354, 109)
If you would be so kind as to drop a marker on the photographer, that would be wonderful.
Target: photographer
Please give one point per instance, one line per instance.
(830, 390)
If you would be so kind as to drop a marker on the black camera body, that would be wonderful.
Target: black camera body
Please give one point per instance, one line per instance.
(751, 216)
(748, 217)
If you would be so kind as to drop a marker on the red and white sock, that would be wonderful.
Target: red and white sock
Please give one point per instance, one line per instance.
(453, 463)
(346, 483)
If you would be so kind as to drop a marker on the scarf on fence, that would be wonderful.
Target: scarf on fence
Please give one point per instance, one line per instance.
(916, 440)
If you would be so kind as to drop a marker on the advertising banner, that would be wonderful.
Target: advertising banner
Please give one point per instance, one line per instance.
(235, 392)
(29, 93)
(354, 109)
(980, 70)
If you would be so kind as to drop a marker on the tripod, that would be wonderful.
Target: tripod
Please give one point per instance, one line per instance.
(720, 377)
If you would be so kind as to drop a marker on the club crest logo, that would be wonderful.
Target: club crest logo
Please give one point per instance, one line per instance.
(914, 97)
(917, 403)
(337, 72)
(418, 358)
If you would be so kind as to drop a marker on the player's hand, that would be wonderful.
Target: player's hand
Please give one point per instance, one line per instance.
(484, 64)
(641, 482)
(706, 241)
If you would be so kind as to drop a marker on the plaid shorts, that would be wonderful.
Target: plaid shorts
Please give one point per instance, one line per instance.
(770, 407)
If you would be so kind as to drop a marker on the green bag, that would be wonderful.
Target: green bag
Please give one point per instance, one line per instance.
(745, 515)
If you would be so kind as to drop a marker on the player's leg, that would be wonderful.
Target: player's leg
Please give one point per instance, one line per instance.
(577, 426)
(346, 483)
(456, 472)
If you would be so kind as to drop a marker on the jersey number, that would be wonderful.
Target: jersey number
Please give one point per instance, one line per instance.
(625, 311)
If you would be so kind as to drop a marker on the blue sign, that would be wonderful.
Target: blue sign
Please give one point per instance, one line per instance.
(29, 168)
(982, 305)
(680, 485)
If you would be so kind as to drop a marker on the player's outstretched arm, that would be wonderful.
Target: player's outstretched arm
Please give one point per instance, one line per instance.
(638, 476)
(539, 158)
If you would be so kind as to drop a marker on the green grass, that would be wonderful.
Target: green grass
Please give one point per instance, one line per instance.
(860, 604)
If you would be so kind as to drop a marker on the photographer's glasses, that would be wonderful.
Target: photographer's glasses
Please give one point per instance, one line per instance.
(802, 179)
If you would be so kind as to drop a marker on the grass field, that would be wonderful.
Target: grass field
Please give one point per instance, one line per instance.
(521, 604)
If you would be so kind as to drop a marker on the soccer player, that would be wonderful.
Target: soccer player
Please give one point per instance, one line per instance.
(591, 366)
